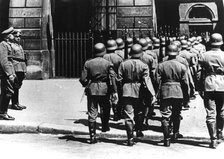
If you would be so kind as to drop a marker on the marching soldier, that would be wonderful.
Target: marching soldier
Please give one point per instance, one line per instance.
(212, 62)
(132, 74)
(149, 60)
(19, 65)
(98, 77)
(115, 59)
(120, 47)
(7, 74)
(171, 75)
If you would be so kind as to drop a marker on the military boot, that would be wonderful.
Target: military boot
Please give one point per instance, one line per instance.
(105, 122)
(92, 132)
(213, 135)
(139, 125)
(220, 124)
(166, 132)
(129, 128)
(176, 127)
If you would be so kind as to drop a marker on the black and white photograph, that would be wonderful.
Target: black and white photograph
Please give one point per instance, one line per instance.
(111, 79)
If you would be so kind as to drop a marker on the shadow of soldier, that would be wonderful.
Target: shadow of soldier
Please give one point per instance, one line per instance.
(194, 141)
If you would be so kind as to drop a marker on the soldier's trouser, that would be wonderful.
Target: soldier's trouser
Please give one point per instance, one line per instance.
(214, 106)
(103, 102)
(6, 93)
(18, 84)
(170, 110)
(133, 111)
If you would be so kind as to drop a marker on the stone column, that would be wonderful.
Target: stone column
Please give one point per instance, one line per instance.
(47, 46)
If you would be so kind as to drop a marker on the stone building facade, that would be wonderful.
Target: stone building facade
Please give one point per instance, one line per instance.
(38, 21)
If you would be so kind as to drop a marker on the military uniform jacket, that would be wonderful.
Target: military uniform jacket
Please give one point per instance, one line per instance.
(6, 67)
(191, 59)
(171, 75)
(132, 73)
(114, 59)
(149, 60)
(98, 75)
(211, 61)
(18, 58)
(120, 53)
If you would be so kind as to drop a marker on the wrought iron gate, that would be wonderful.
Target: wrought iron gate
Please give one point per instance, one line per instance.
(72, 50)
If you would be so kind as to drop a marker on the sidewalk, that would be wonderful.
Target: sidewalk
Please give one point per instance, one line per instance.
(54, 106)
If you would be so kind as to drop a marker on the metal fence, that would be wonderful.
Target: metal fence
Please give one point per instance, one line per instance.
(72, 50)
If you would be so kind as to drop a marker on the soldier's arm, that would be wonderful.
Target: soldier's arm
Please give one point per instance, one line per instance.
(83, 79)
(5, 63)
(112, 77)
(185, 84)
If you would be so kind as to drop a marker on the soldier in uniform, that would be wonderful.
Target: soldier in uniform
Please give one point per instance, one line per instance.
(19, 67)
(120, 47)
(172, 76)
(133, 73)
(149, 60)
(212, 62)
(115, 59)
(7, 74)
(98, 77)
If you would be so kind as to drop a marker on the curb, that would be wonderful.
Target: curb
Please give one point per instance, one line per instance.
(12, 127)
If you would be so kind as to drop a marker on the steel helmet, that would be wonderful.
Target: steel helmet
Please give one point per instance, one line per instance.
(172, 50)
(143, 43)
(129, 42)
(136, 50)
(184, 44)
(120, 43)
(156, 42)
(99, 49)
(111, 45)
(216, 39)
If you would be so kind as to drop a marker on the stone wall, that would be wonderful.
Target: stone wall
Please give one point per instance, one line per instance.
(26, 15)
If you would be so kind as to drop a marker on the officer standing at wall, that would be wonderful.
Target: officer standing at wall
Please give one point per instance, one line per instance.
(19, 65)
(133, 73)
(98, 76)
(212, 62)
(172, 76)
(7, 74)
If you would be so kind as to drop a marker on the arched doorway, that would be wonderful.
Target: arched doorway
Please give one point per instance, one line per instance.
(198, 18)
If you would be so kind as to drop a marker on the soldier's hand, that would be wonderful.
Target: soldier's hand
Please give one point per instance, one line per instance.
(12, 78)
(201, 93)
(153, 100)
(114, 98)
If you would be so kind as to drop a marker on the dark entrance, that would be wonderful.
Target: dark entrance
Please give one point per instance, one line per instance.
(72, 39)
(167, 13)
(4, 14)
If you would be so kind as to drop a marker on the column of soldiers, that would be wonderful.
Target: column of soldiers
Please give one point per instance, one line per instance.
(12, 72)
(167, 71)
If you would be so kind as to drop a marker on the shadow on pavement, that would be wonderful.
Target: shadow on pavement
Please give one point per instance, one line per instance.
(193, 142)
(73, 138)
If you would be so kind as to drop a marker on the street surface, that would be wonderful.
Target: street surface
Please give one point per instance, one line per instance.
(36, 146)
(58, 102)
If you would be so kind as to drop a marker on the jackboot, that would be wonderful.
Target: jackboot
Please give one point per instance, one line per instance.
(220, 124)
(129, 128)
(166, 132)
(92, 132)
(213, 134)
(176, 127)
(139, 125)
